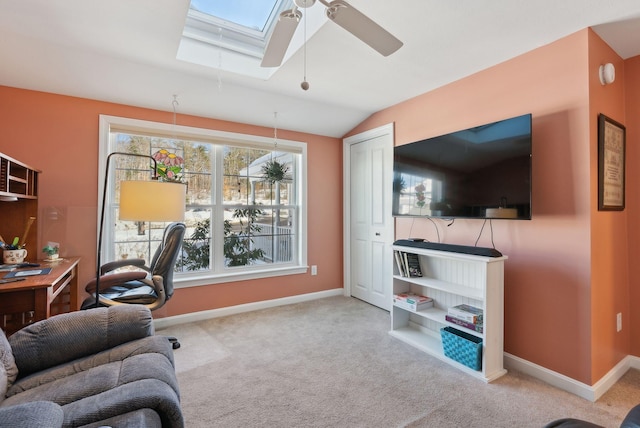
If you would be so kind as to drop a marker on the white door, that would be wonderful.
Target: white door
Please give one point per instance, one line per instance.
(368, 220)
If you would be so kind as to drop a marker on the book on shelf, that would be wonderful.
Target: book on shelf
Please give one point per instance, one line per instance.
(466, 313)
(412, 302)
(399, 262)
(408, 264)
(413, 265)
(475, 327)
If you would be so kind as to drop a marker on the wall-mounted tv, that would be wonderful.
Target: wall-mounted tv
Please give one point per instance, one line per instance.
(481, 172)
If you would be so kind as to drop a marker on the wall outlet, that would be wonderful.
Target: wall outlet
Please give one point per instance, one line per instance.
(314, 270)
(619, 321)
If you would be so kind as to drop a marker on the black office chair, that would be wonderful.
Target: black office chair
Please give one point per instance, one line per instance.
(151, 286)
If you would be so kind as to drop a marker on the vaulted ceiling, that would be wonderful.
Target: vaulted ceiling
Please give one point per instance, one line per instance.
(126, 52)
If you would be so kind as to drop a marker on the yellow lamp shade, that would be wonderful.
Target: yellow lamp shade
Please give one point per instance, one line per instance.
(152, 201)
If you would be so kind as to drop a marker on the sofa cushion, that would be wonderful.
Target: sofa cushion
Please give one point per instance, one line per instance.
(41, 414)
(148, 345)
(8, 368)
(97, 380)
(141, 381)
(67, 337)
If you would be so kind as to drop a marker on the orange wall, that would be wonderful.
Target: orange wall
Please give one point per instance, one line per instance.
(609, 247)
(59, 135)
(632, 122)
(548, 276)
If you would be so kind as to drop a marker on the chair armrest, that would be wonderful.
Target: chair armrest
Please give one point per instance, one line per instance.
(107, 281)
(108, 267)
(66, 337)
(41, 414)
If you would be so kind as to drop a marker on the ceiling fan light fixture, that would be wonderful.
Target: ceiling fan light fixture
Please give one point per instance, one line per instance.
(304, 3)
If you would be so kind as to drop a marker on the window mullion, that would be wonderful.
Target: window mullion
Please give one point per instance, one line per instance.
(217, 222)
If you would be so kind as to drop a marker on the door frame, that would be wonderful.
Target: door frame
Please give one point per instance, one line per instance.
(382, 131)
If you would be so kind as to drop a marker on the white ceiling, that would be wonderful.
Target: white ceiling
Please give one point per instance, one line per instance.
(124, 51)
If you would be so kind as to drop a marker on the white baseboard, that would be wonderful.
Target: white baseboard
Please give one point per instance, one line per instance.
(588, 392)
(247, 307)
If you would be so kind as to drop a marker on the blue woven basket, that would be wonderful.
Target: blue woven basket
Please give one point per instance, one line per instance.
(463, 347)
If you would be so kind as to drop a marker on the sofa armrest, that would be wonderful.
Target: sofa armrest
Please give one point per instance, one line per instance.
(41, 414)
(141, 394)
(70, 336)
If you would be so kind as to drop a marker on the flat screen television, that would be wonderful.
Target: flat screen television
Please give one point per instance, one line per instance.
(482, 172)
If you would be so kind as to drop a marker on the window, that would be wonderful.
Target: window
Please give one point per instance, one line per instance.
(242, 223)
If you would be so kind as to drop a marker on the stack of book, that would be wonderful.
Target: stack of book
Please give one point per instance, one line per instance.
(408, 264)
(466, 316)
(412, 302)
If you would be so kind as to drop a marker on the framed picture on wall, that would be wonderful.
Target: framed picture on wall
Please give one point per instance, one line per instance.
(611, 164)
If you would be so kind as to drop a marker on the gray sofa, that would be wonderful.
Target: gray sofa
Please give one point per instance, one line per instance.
(93, 368)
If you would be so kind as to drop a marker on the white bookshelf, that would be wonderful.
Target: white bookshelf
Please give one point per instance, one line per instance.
(450, 279)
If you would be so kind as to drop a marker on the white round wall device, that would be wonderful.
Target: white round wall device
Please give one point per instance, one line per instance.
(607, 73)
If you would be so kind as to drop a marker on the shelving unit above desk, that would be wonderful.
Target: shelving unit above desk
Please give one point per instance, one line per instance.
(19, 202)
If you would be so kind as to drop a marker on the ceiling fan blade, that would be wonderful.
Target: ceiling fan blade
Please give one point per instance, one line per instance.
(281, 37)
(358, 24)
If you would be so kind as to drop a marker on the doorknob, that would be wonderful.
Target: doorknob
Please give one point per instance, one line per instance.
(377, 233)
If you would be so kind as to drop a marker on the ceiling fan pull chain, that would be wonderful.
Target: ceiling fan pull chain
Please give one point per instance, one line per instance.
(275, 130)
(305, 85)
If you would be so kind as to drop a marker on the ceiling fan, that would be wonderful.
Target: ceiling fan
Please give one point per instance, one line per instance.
(340, 12)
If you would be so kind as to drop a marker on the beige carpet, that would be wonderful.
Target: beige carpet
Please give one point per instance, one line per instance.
(331, 363)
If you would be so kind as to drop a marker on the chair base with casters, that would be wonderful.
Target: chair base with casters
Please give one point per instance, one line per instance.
(150, 286)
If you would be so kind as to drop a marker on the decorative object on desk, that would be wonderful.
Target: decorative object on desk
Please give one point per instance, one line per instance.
(14, 256)
(26, 231)
(51, 250)
(611, 164)
(169, 165)
(141, 201)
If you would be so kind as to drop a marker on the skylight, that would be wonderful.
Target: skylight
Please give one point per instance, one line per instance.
(242, 26)
(232, 35)
(252, 14)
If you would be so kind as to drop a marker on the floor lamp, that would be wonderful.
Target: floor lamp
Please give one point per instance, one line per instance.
(141, 201)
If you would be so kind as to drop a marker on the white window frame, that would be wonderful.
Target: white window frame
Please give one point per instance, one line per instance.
(109, 124)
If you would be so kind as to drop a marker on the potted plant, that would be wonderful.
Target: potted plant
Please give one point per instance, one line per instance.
(51, 250)
(274, 171)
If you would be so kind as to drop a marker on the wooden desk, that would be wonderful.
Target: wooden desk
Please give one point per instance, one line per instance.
(40, 296)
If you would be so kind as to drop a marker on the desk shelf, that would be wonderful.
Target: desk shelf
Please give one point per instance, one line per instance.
(19, 202)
